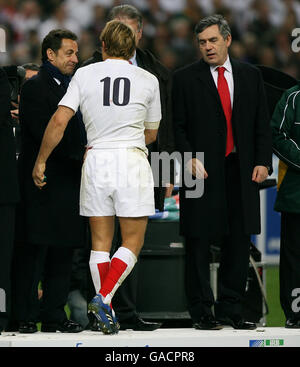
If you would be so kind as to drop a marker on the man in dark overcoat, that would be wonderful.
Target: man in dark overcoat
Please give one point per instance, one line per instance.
(220, 109)
(9, 196)
(126, 297)
(48, 223)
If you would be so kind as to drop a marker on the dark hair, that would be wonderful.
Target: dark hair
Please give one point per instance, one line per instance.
(31, 66)
(126, 11)
(215, 19)
(53, 40)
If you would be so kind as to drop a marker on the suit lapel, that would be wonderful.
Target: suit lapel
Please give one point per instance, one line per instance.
(236, 81)
(205, 75)
(55, 88)
(237, 86)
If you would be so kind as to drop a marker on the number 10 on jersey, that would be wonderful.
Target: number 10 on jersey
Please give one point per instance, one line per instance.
(117, 99)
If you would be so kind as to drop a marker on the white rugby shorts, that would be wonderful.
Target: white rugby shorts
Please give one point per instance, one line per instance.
(116, 182)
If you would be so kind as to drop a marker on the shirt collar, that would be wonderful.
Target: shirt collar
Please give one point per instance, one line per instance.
(226, 65)
(133, 59)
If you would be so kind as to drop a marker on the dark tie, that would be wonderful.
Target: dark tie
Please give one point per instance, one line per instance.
(226, 104)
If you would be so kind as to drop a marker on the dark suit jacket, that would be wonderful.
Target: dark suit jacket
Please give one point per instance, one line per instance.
(9, 193)
(165, 137)
(200, 126)
(49, 216)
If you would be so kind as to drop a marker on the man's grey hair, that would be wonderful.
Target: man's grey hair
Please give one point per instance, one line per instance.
(215, 19)
(126, 11)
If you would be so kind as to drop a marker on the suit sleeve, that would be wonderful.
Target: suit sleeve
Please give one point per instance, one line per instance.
(166, 131)
(263, 135)
(282, 124)
(34, 111)
(4, 98)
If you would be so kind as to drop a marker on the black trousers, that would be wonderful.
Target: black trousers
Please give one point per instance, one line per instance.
(289, 265)
(234, 261)
(34, 263)
(7, 222)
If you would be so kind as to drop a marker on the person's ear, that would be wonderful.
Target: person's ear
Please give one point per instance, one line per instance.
(50, 54)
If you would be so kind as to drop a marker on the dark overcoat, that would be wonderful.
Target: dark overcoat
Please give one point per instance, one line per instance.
(49, 216)
(9, 193)
(200, 126)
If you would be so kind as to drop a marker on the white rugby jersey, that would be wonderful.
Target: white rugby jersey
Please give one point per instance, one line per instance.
(115, 99)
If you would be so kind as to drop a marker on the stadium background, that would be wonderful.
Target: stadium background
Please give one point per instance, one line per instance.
(262, 34)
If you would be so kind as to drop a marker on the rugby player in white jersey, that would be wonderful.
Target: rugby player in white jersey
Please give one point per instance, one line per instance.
(120, 105)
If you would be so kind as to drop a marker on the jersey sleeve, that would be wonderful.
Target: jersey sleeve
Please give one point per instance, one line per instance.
(154, 108)
(72, 97)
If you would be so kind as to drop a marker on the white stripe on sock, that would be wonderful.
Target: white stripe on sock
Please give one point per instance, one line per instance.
(97, 257)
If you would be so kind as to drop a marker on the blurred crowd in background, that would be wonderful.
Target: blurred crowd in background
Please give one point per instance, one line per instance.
(261, 29)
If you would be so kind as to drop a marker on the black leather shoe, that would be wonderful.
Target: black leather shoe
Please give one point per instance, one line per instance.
(207, 323)
(66, 326)
(292, 324)
(238, 324)
(28, 327)
(139, 324)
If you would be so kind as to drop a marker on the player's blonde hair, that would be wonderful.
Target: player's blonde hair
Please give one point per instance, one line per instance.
(119, 39)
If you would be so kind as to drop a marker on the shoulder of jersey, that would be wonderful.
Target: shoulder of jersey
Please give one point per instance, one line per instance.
(146, 73)
(87, 68)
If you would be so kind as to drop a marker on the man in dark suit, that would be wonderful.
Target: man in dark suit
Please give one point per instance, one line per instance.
(126, 296)
(9, 195)
(220, 109)
(48, 223)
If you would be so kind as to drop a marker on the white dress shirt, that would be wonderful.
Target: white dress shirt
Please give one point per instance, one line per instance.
(228, 76)
(133, 59)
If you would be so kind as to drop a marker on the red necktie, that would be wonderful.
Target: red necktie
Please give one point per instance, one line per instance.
(226, 104)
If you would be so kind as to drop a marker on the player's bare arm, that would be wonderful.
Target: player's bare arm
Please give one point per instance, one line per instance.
(151, 129)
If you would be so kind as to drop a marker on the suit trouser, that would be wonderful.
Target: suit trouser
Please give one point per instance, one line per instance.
(50, 264)
(234, 260)
(7, 222)
(289, 266)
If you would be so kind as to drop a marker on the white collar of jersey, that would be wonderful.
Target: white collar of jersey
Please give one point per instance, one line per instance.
(115, 60)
